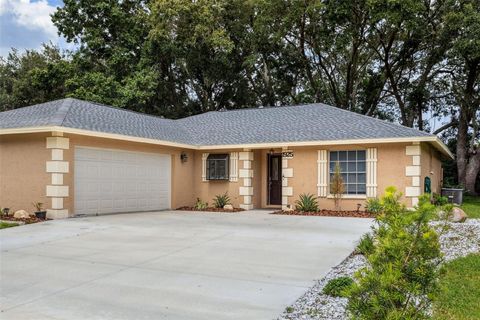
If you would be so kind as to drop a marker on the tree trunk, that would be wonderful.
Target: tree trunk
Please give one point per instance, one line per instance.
(468, 107)
(462, 147)
(473, 168)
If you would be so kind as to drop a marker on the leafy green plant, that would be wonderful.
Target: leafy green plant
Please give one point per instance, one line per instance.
(338, 287)
(403, 269)
(337, 188)
(438, 200)
(374, 206)
(306, 203)
(221, 200)
(366, 245)
(200, 205)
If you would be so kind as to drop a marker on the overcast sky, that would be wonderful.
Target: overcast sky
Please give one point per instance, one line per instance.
(26, 24)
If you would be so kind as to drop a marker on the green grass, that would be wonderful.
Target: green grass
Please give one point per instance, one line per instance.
(4, 225)
(471, 206)
(459, 294)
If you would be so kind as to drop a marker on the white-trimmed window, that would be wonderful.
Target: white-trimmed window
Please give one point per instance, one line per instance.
(353, 168)
(217, 167)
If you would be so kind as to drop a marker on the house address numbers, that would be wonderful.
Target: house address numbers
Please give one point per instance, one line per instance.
(287, 154)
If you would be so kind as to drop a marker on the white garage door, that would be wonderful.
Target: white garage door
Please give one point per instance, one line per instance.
(108, 181)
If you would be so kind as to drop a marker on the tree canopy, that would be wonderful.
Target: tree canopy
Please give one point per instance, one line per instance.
(406, 61)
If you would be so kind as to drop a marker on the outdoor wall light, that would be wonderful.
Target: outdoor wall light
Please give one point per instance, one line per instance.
(183, 157)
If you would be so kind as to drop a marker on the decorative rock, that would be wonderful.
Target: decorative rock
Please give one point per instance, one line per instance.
(457, 240)
(458, 215)
(21, 214)
(228, 207)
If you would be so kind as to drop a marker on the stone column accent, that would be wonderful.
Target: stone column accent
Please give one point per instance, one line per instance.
(414, 171)
(246, 174)
(287, 191)
(57, 167)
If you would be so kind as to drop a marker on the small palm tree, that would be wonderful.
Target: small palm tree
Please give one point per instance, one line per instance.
(337, 188)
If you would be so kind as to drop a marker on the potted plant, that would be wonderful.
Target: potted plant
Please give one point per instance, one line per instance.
(5, 211)
(40, 213)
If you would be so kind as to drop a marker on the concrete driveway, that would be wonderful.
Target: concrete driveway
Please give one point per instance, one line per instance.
(168, 265)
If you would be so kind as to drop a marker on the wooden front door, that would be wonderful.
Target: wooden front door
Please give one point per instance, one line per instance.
(274, 179)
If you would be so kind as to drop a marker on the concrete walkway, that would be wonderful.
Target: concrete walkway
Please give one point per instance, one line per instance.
(168, 265)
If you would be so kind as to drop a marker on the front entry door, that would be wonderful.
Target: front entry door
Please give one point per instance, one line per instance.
(274, 179)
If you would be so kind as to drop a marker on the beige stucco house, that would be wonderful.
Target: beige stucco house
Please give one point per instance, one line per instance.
(79, 158)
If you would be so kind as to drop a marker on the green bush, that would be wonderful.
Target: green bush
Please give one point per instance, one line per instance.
(221, 200)
(306, 203)
(338, 287)
(374, 206)
(200, 205)
(403, 269)
(438, 200)
(366, 246)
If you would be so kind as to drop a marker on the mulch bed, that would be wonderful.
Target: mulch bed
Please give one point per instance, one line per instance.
(328, 213)
(24, 220)
(210, 209)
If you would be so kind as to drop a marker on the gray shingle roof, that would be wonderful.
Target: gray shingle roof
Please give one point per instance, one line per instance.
(312, 122)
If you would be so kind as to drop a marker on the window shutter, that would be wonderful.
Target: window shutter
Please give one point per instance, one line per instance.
(322, 169)
(204, 166)
(371, 172)
(234, 166)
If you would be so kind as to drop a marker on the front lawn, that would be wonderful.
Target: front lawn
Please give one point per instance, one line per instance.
(4, 225)
(459, 295)
(471, 206)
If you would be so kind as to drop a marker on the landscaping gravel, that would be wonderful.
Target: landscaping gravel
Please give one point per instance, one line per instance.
(459, 239)
(456, 240)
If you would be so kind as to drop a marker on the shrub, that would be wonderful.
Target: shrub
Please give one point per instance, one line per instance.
(306, 203)
(374, 206)
(366, 246)
(337, 188)
(403, 269)
(200, 205)
(221, 200)
(438, 200)
(338, 287)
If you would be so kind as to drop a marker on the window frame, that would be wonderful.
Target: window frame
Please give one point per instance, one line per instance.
(362, 194)
(218, 158)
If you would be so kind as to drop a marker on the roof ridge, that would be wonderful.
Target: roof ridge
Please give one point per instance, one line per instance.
(123, 109)
(376, 119)
(65, 109)
(248, 109)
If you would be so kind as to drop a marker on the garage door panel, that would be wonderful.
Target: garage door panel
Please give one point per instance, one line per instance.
(119, 181)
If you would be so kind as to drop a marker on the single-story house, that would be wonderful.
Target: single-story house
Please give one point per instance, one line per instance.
(79, 157)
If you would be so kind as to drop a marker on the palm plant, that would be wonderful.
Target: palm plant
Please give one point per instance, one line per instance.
(306, 203)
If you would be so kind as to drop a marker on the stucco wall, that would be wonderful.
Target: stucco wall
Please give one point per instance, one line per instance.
(431, 167)
(23, 175)
(182, 173)
(257, 178)
(391, 162)
(207, 190)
